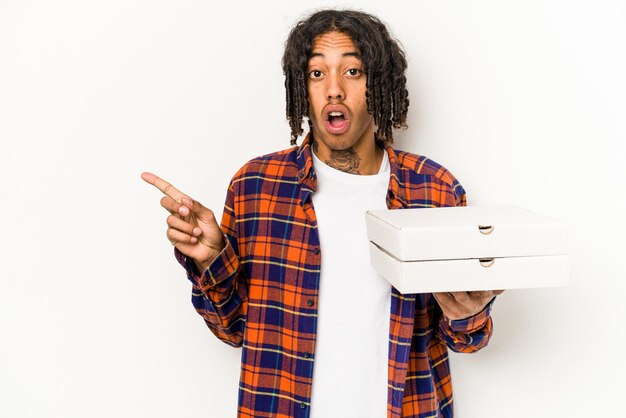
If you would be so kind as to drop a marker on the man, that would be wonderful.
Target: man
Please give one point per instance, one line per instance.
(287, 276)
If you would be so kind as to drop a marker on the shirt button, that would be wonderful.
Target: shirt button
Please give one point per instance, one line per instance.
(206, 283)
(309, 302)
(307, 355)
(302, 405)
(316, 251)
(301, 174)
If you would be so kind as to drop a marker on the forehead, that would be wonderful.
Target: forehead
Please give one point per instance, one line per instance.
(333, 42)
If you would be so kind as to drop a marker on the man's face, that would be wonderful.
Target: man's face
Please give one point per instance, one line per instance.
(336, 88)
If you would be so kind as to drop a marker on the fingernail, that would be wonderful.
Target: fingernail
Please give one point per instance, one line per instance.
(187, 201)
(193, 240)
(197, 231)
(183, 210)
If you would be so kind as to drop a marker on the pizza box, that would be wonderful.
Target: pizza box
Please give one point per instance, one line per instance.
(467, 248)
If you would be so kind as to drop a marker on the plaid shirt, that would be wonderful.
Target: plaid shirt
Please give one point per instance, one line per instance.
(261, 292)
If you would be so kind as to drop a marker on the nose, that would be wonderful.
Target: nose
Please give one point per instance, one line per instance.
(334, 87)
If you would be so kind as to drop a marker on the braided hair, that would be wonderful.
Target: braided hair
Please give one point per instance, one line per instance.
(382, 57)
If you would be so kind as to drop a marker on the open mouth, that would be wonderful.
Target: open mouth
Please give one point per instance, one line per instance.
(337, 123)
(336, 118)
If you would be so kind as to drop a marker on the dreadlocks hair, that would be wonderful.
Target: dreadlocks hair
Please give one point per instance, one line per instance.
(382, 57)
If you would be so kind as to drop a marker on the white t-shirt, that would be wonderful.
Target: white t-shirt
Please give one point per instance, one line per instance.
(351, 352)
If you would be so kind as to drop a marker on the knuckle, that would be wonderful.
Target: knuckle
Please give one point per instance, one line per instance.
(477, 296)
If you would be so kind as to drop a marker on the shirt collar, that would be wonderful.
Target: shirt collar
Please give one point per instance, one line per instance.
(396, 191)
(305, 163)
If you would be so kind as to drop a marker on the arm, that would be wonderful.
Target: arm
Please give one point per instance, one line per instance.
(209, 255)
(465, 323)
(219, 291)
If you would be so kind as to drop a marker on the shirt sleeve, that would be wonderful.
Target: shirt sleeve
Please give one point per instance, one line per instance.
(220, 294)
(467, 335)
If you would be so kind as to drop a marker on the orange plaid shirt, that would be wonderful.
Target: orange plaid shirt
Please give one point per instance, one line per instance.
(261, 292)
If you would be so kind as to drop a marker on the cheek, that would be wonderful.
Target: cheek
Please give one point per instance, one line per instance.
(359, 94)
(313, 92)
(313, 101)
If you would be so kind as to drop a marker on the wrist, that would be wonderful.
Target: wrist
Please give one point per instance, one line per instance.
(204, 264)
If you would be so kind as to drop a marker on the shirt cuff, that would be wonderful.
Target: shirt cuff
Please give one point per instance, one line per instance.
(473, 323)
(222, 267)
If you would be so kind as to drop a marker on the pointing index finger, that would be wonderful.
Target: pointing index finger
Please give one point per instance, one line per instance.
(163, 186)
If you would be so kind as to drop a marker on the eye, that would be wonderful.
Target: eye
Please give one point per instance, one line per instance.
(315, 74)
(354, 72)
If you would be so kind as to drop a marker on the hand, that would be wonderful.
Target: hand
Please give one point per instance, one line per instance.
(461, 305)
(192, 228)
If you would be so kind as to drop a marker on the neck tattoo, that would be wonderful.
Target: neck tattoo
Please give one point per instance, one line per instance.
(346, 160)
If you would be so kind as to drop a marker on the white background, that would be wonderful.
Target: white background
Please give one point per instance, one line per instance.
(524, 101)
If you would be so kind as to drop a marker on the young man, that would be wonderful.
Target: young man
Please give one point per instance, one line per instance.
(287, 277)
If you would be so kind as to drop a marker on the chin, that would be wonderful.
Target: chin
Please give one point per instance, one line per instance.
(334, 142)
(338, 145)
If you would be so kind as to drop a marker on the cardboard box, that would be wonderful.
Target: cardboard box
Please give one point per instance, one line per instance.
(467, 248)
